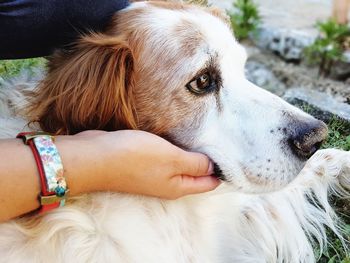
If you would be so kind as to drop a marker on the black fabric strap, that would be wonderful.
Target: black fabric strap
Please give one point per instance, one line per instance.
(33, 28)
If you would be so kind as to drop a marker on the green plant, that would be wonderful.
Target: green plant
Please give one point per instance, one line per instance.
(11, 68)
(338, 130)
(338, 135)
(328, 46)
(336, 252)
(244, 18)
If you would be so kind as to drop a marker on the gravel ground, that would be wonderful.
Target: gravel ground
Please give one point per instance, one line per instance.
(277, 75)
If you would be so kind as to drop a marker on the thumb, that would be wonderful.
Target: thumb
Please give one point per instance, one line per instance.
(195, 164)
(196, 185)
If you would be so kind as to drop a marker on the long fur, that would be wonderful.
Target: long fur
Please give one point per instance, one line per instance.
(218, 227)
(98, 86)
(94, 102)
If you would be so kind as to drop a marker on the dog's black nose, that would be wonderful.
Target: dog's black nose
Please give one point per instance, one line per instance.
(307, 138)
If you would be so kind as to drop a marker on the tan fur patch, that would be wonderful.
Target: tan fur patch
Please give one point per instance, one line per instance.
(320, 171)
(169, 5)
(219, 13)
(160, 100)
(273, 212)
(97, 78)
(189, 36)
(251, 177)
(328, 157)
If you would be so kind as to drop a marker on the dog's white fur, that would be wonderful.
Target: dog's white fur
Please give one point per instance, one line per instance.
(227, 225)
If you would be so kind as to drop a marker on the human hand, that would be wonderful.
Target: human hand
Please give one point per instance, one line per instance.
(137, 162)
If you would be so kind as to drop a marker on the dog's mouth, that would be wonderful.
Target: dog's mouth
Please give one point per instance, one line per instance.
(218, 173)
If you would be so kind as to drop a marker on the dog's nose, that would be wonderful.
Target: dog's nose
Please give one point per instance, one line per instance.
(308, 137)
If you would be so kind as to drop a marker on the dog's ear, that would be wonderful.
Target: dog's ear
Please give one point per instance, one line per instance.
(88, 88)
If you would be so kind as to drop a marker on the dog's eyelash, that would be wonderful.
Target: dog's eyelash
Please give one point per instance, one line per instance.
(206, 81)
(202, 84)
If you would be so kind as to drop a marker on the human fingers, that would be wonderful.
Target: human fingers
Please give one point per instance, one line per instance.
(194, 185)
(194, 164)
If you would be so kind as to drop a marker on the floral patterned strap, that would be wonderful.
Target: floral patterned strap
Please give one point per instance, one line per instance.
(52, 164)
(53, 184)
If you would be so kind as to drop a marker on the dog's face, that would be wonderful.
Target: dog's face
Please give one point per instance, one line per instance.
(180, 74)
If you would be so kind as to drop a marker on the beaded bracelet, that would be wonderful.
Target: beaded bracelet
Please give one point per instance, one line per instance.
(53, 184)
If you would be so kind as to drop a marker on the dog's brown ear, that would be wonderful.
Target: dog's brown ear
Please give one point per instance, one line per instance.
(88, 88)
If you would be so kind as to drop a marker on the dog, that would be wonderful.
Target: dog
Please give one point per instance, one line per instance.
(177, 71)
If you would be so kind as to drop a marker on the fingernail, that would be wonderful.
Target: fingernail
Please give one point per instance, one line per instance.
(217, 181)
(210, 169)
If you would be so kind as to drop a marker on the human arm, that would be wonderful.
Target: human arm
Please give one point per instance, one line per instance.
(135, 162)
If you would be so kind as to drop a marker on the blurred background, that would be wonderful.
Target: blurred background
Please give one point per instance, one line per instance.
(305, 9)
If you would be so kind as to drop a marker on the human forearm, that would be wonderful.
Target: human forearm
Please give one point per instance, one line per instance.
(20, 182)
(135, 162)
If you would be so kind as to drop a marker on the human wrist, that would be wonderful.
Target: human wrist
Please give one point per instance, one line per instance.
(85, 158)
(75, 164)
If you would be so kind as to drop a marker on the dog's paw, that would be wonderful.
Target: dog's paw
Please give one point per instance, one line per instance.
(327, 166)
(336, 159)
(337, 163)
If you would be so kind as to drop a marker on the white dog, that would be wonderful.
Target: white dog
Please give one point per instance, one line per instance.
(176, 70)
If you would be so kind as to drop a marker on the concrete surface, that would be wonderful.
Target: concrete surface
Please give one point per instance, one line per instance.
(288, 14)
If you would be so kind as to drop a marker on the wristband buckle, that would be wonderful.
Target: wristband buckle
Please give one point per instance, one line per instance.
(27, 136)
(52, 199)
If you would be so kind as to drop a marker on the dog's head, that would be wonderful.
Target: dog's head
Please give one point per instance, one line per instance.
(176, 70)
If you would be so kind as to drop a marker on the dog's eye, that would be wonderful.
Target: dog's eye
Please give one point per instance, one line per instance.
(201, 84)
